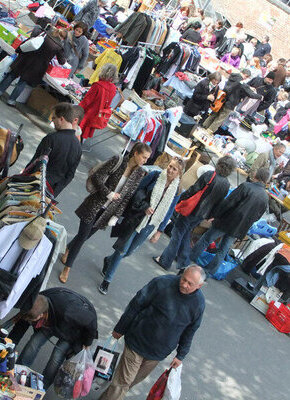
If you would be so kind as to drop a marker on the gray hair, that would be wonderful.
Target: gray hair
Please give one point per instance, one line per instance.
(262, 175)
(279, 146)
(225, 166)
(108, 73)
(197, 268)
(215, 75)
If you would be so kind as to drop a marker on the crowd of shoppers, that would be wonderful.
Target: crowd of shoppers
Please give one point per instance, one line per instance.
(165, 314)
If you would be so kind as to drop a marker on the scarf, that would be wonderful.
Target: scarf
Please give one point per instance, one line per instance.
(272, 163)
(159, 204)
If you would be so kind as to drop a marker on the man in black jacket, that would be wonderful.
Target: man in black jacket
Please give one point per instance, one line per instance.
(264, 87)
(163, 316)
(233, 218)
(235, 91)
(63, 147)
(215, 192)
(61, 313)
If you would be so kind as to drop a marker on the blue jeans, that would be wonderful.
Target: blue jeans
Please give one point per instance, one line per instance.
(207, 238)
(58, 355)
(134, 241)
(6, 82)
(179, 244)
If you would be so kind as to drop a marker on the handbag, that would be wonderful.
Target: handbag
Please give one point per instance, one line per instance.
(219, 101)
(105, 359)
(185, 207)
(158, 389)
(89, 184)
(32, 44)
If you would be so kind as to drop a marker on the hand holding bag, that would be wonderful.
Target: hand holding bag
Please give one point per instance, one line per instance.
(173, 387)
(185, 207)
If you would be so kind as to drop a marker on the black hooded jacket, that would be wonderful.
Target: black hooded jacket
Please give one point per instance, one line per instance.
(237, 91)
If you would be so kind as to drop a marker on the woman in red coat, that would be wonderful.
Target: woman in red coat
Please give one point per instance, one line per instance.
(96, 102)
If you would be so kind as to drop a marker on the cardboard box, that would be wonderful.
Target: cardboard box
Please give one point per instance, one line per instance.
(264, 297)
(7, 35)
(41, 101)
(87, 72)
(24, 392)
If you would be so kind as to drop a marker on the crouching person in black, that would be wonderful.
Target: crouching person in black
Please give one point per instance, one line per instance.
(58, 312)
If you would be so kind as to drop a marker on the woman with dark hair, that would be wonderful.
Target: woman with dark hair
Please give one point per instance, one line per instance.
(76, 47)
(112, 185)
(146, 216)
(217, 187)
(192, 34)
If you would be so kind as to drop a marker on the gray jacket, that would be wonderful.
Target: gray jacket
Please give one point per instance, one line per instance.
(76, 50)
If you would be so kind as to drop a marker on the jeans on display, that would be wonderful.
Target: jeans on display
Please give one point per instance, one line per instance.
(179, 245)
(58, 355)
(134, 241)
(207, 238)
(6, 82)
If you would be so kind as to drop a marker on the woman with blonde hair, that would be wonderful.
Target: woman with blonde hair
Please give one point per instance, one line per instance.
(97, 101)
(146, 216)
(255, 67)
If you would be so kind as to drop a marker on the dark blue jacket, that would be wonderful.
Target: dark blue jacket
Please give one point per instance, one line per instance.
(160, 319)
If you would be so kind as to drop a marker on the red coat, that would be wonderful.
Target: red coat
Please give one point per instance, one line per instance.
(98, 98)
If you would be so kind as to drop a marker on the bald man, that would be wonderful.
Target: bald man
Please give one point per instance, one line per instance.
(161, 317)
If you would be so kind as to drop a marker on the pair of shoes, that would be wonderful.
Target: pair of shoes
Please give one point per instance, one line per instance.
(64, 257)
(105, 267)
(63, 277)
(180, 271)
(103, 288)
(156, 259)
(11, 103)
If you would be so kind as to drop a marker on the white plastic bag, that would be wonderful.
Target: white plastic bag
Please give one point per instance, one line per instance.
(173, 387)
(32, 44)
(5, 66)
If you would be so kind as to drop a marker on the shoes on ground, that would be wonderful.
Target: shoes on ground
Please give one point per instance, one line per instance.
(11, 103)
(156, 259)
(103, 288)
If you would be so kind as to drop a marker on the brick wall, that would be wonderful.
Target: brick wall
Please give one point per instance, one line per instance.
(259, 17)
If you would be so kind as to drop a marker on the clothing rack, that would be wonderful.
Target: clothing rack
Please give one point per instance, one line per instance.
(150, 44)
(44, 161)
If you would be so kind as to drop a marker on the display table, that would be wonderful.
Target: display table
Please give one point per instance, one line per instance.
(179, 86)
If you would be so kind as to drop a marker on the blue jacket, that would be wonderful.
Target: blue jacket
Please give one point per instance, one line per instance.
(160, 319)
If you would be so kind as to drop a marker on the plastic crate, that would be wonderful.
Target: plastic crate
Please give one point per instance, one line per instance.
(279, 316)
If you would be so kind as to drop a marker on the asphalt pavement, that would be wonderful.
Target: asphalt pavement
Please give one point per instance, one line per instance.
(236, 354)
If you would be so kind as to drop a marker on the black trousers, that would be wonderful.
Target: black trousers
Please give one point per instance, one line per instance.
(84, 233)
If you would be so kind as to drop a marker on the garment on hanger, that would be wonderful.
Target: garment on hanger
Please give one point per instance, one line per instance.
(108, 56)
(32, 263)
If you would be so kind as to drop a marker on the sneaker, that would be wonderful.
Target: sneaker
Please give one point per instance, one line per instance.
(104, 287)
(105, 267)
(11, 103)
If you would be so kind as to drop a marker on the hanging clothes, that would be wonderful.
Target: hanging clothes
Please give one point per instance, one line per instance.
(108, 56)
(32, 263)
(132, 28)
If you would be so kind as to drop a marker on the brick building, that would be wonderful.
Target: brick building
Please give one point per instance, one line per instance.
(260, 17)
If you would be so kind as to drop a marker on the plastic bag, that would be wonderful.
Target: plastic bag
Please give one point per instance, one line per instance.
(74, 378)
(157, 390)
(32, 44)
(173, 387)
(5, 66)
(225, 267)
